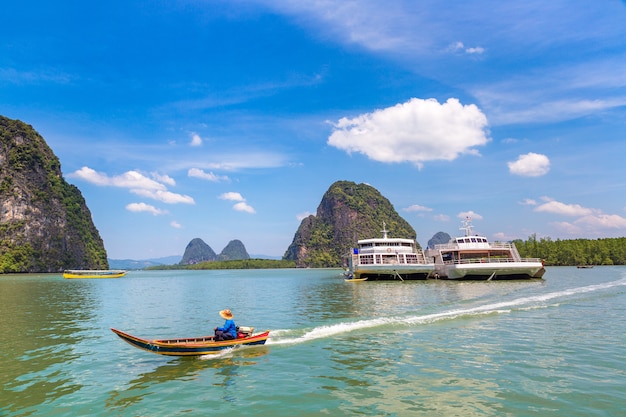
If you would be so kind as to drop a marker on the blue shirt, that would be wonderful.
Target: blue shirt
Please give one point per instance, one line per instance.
(229, 327)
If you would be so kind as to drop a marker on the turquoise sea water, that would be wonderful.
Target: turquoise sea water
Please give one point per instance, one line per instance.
(552, 347)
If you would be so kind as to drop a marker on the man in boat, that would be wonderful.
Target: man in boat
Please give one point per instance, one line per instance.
(229, 330)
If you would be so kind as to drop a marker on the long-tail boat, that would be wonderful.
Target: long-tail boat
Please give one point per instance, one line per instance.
(94, 273)
(194, 346)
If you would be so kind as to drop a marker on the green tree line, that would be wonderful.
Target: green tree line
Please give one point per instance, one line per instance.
(233, 264)
(606, 251)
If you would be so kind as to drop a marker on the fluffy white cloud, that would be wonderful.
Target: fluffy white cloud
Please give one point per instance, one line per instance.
(556, 207)
(164, 196)
(175, 224)
(137, 183)
(416, 131)
(166, 179)
(196, 140)
(232, 196)
(465, 214)
(417, 207)
(209, 176)
(141, 207)
(588, 221)
(302, 216)
(530, 165)
(130, 179)
(528, 202)
(243, 206)
(603, 221)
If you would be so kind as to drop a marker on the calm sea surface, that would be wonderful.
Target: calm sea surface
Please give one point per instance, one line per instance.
(552, 347)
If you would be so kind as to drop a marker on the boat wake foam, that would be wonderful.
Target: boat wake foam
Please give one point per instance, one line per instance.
(219, 355)
(295, 336)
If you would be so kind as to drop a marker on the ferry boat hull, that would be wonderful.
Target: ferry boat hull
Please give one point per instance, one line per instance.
(493, 271)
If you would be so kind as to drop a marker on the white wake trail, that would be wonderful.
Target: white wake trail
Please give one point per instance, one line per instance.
(536, 301)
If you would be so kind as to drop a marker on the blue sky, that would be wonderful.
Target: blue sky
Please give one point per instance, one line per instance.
(230, 119)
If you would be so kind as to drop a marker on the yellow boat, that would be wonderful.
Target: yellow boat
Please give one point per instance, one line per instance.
(93, 273)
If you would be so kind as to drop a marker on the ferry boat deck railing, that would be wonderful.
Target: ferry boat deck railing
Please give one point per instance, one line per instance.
(492, 245)
(489, 261)
(389, 259)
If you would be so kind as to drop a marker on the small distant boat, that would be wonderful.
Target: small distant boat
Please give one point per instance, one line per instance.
(194, 346)
(355, 279)
(584, 266)
(387, 258)
(94, 273)
(473, 257)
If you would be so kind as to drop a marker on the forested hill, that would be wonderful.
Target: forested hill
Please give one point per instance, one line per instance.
(45, 225)
(347, 212)
(607, 251)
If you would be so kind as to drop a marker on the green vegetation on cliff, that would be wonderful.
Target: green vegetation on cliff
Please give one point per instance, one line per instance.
(45, 225)
(348, 212)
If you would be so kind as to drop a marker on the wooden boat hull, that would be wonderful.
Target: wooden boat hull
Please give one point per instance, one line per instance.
(79, 273)
(193, 346)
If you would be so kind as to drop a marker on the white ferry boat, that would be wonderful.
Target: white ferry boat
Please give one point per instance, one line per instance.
(474, 257)
(386, 259)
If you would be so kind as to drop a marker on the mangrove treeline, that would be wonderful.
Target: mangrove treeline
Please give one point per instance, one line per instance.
(607, 251)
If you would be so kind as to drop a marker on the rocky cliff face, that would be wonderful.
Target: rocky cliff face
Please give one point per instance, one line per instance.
(348, 212)
(45, 225)
(235, 250)
(198, 251)
(438, 238)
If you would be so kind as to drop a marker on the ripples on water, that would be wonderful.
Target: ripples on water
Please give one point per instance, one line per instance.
(435, 348)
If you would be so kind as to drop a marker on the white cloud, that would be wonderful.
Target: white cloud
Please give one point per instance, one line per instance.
(243, 206)
(196, 140)
(129, 179)
(603, 221)
(589, 221)
(460, 47)
(556, 207)
(137, 183)
(528, 202)
(209, 176)
(568, 228)
(175, 224)
(232, 196)
(416, 207)
(415, 131)
(441, 218)
(164, 196)
(475, 50)
(302, 216)
(141, 207)
(530, 165)
(470, 214)
(166, 179)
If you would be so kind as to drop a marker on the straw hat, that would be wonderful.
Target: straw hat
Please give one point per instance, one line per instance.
(226, 314)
